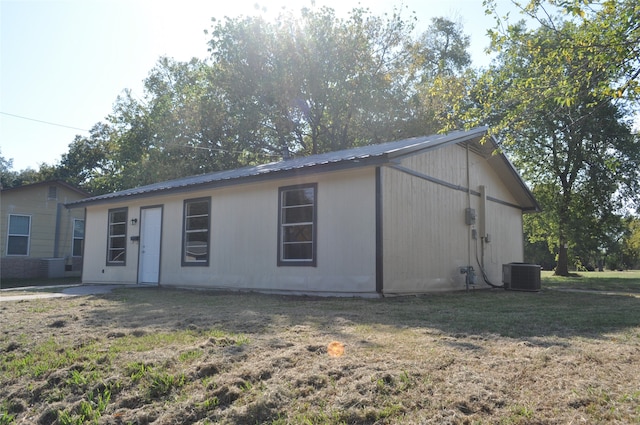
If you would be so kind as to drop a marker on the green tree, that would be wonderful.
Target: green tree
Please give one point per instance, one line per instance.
(557, 104)
(7, 175)
(631, 243)
(600, 38)
(441, 63)
(316, 83)
(301, 85)
(87, 163)
(442, 50)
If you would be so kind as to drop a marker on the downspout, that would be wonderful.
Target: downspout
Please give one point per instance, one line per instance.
(482, 226)
(84, 245)
(379, 238)
(56, 237)
(470, 240)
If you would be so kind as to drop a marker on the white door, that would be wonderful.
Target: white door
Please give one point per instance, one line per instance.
(150, 236)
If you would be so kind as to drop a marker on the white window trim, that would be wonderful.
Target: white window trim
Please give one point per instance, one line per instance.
(21, 235)
(74, 238)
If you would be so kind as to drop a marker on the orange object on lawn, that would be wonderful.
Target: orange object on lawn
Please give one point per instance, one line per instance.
(335, 349)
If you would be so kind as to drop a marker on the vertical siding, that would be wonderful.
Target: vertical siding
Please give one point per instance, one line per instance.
(243, 236)
(94, 269)
(426, 239)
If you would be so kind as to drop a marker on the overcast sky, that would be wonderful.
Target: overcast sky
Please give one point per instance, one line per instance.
(64, 62)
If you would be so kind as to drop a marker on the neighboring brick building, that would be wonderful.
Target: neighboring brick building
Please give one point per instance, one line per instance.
(39, 236)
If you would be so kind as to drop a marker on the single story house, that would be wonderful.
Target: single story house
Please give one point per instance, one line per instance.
(403, 217)
(40, 237)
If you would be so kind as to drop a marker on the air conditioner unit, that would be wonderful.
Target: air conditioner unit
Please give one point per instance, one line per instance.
(51, 267)
(521, 276)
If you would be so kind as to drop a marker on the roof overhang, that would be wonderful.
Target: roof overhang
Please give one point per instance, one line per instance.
(488, 148)
(372, 155)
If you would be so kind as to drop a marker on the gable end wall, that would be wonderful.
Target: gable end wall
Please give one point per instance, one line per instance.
(425, 238)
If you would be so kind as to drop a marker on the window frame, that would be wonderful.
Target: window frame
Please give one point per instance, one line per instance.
(19, 235)
(74, 238)
(110, 237)
(307, 262)
(183, 259)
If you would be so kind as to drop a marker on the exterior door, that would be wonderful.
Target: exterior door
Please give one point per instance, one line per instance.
(150, 237)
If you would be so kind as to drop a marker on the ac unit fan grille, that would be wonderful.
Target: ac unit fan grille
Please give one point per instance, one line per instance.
(521, 276)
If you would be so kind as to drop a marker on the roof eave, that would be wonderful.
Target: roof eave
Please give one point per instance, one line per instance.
(451, 138)
(533, 206)
(273, 175)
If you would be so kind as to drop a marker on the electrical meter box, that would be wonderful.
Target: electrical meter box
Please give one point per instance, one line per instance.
(470, 216)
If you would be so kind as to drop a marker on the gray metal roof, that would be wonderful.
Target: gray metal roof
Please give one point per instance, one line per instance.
(360, 156)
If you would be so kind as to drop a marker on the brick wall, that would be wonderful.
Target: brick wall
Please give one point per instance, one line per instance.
(19, 267)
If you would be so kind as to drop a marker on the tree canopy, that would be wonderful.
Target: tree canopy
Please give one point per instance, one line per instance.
(303, 84)
(558, 98)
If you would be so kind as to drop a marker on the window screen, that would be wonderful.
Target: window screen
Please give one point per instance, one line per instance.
(195, 243)
(297, 227)
(117, 243)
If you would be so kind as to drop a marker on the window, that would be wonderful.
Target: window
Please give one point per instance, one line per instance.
(195, 238)
(297, 226)
(18, 234)
(78, 237)
(117, 243)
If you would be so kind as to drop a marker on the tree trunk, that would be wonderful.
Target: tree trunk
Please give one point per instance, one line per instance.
(562, 268)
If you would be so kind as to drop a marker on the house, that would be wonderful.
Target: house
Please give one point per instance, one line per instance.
(40, 237)
(403, 217)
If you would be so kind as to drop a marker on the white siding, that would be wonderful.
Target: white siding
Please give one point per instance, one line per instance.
(425, 237)
(243, 235)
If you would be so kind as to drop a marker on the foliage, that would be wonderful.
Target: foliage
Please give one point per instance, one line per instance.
(305, 83)
(6, 175)
(316, 83)
(10, 178)
(599, 38)
(630, 250)
(442, 64)
(556, 96)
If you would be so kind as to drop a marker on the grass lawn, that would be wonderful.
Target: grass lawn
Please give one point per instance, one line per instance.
(161, 356)
(625, 281)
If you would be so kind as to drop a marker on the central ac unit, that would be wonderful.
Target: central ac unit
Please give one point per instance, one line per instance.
(521, 276)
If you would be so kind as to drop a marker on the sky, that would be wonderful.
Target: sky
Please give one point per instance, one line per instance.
(63, 63)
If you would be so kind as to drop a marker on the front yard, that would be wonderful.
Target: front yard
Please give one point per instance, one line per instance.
(173, 356)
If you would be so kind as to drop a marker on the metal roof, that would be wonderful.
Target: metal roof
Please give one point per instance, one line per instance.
(58, 182)
(361, 156)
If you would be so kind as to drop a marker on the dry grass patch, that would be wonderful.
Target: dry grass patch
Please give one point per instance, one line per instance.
(145, 356)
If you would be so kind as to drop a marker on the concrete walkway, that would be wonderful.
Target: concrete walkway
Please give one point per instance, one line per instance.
(597, 292)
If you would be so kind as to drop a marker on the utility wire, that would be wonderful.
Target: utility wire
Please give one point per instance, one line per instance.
(43, 122)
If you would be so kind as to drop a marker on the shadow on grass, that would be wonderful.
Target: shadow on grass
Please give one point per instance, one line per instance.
(548, 313)
(23, 283)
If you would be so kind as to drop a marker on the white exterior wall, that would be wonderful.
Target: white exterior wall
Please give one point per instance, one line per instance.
(243, 238)
(425, 238)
